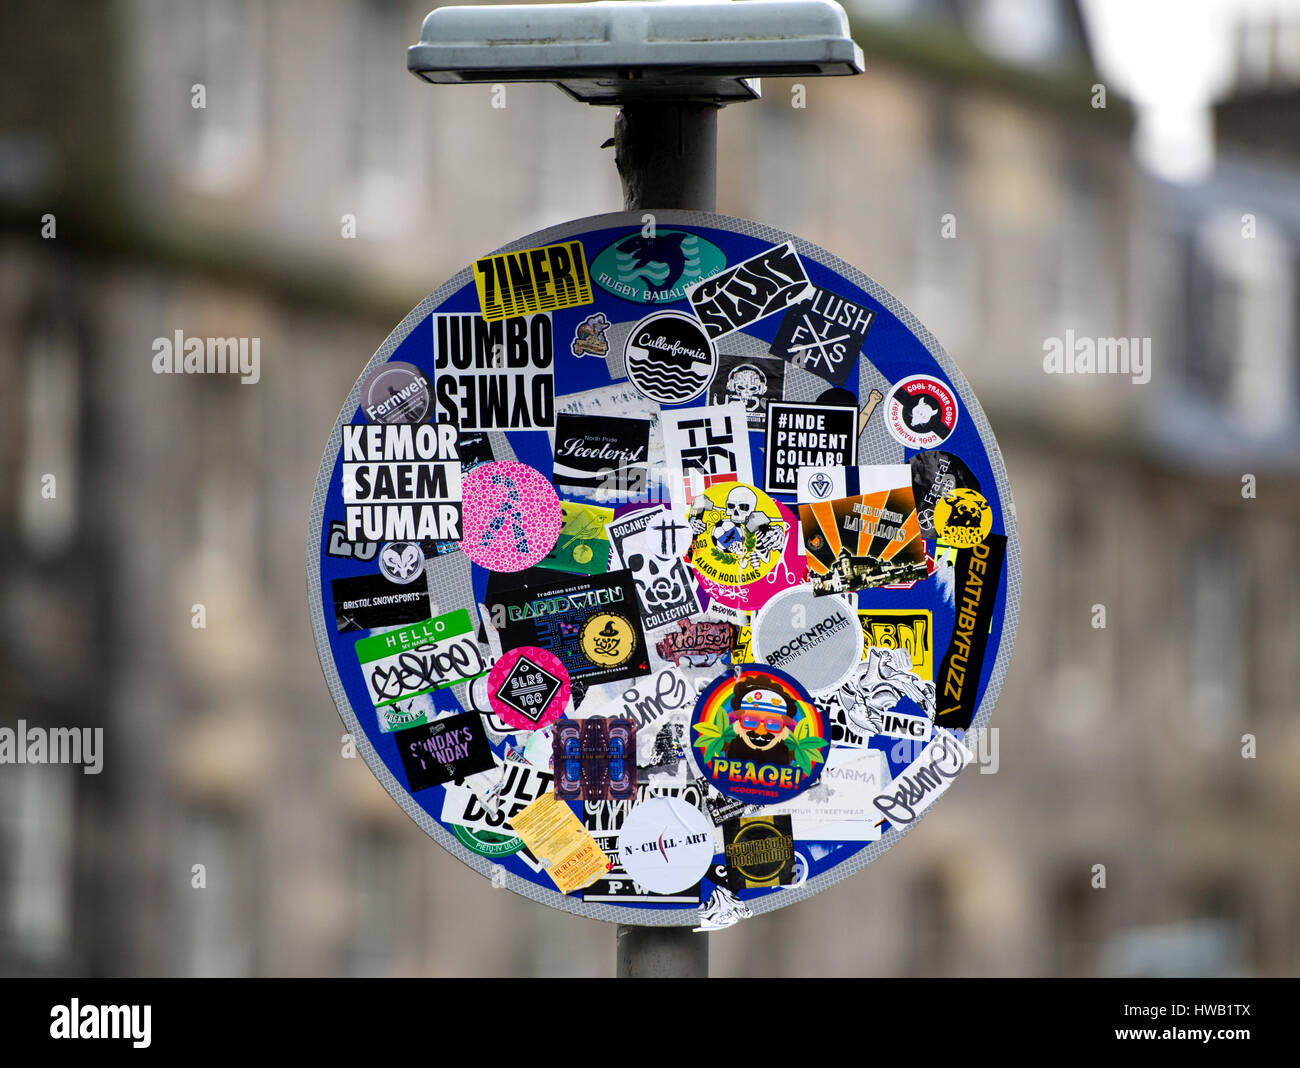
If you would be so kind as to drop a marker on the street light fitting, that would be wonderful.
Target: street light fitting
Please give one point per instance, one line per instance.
(629, 51)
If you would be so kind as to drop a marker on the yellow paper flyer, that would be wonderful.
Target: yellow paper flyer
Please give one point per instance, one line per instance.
(553, 833)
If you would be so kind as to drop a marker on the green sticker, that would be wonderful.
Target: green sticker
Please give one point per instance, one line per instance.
(487, 843)
(423, 657)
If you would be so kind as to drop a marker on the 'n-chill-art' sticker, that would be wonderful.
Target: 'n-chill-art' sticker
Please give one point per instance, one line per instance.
(758, 737)
(663, 569)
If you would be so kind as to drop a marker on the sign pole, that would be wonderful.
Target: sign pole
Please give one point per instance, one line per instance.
(666, 153)
(669, 67)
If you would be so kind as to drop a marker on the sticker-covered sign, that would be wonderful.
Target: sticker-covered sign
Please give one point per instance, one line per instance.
(661, 567)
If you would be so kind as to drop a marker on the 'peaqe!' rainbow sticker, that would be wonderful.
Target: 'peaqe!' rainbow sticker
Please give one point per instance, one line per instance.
(757, 736)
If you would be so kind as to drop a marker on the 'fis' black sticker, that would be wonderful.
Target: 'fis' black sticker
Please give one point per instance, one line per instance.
(979, 570)
(760, 286)
(443, 750)
(368, 601)
(824, 335)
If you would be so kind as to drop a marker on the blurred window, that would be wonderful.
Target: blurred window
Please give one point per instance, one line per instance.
(52, 420)
(377, 54)
(376, 877)
(217, 921)
(933, 924)
(1244, 336)
(36, 813)
(946, 266)
(223, 45)
(1217, 634)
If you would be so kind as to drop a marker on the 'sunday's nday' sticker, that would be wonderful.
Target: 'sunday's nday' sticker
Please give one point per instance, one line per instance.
(757, 736)
(446, 749)
(557, 837)
(528, 688)
(665, 844)
(816, 639)
(511, 516)
(430, 655)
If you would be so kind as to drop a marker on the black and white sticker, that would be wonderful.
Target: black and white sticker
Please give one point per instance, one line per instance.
(713, 440)
(807, 436)
(494, 375)
(669, 357)
(369, 601)
(824, 335)
(752, 382)
(760, 286)
(601, 457)
(401, 562)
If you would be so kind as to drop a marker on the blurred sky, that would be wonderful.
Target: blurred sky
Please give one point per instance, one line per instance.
(1173, 59)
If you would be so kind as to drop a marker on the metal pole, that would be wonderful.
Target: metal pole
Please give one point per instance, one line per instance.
(666, 153)
(662, 953)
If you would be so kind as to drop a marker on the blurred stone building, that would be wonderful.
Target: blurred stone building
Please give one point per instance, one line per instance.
(128, 213)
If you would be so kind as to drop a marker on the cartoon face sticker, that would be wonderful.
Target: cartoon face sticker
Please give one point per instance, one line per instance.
(757, 736)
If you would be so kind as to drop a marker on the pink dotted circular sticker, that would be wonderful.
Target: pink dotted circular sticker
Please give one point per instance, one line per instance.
(510, 516)
(528, 688)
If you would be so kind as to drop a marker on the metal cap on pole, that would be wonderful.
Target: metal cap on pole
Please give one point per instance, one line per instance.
(669, 66)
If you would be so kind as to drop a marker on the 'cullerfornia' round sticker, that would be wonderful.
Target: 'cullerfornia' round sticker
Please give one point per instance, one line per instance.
(494, 492)
(757, 736)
